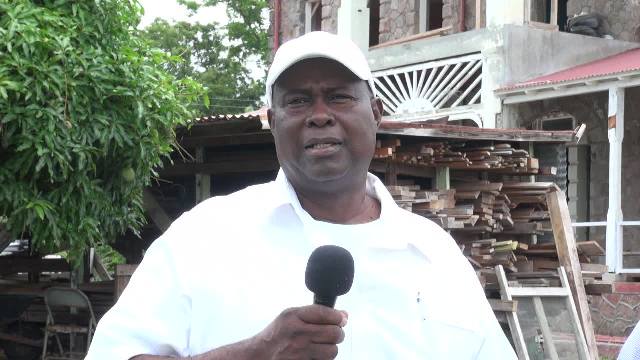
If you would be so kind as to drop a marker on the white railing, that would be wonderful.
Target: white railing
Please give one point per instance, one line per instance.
(439, 88)
(617, 253)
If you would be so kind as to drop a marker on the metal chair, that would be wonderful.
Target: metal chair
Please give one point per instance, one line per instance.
(69, 312)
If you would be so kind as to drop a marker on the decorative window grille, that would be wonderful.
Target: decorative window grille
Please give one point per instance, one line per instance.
(434, 87)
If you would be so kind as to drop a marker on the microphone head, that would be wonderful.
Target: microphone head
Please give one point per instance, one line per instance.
(329, 271)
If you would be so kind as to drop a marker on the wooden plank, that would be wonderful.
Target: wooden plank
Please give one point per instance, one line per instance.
(381, 165)
(226, 166)
(503, 305)
(123, 275)
(539, 291)
(203, 180)
(581, 343)
(590, 248)
(568, 257)
(512, 318)
(20, 340)
(14, 265)
(213, 140)
(426, 34)
(429, 129)
(598, 287)
(100, 269)
(155, 211)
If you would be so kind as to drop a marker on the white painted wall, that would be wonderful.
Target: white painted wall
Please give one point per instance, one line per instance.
(502, 12)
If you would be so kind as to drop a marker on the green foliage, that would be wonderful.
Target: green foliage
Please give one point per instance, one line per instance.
(218, 56)
(87, 112)
(109, 257)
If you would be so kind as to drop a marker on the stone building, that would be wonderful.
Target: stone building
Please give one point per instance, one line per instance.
(467, 56)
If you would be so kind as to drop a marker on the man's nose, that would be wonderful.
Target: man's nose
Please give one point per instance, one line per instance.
(320, 115)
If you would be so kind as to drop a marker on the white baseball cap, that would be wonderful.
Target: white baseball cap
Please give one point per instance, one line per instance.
(318, 44)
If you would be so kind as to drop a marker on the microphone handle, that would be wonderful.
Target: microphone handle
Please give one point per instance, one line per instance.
(328, 301)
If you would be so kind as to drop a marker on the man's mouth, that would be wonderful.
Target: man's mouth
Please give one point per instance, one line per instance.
(322, 145)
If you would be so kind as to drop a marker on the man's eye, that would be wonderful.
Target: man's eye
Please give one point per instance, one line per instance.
(340, 98)
(297, 101)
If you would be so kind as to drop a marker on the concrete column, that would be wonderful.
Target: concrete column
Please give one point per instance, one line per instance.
(353, 22)
(501, 12)
(614, 214)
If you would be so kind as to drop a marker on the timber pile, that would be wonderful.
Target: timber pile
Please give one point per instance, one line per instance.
(493, 223)
(499, 157)
(490, 205)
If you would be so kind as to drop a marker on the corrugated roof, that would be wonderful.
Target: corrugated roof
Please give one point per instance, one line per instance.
(616, 65)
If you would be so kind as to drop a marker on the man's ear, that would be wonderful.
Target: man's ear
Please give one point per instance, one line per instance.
(270, 119)
(377, 108)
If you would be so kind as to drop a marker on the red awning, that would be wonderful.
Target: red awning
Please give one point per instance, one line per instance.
(616, 65)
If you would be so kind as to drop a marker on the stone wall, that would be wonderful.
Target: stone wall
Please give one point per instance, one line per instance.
(622, 15)
(398, 19)
(330, 15)
(292, 19)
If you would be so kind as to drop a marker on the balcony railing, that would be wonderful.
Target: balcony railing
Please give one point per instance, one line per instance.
(437, 88)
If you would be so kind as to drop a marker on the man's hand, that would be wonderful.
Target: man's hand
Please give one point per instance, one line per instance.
(309, 332)
(303, 333)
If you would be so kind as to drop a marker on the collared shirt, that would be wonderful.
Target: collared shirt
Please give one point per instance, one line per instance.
(631, 348)
(224, 270)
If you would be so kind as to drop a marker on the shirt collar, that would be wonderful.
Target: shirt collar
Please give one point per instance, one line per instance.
(286, 195)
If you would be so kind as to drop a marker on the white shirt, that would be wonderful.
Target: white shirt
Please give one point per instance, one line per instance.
(224, 270)
(631, 348)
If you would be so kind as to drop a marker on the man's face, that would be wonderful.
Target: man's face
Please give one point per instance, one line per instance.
(324, 122)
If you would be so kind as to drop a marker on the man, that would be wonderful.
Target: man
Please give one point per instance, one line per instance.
(226, 281)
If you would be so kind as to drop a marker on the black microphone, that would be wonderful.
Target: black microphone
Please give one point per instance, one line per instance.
(329, 274)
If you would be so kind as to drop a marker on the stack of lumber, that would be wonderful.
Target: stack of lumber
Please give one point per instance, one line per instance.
(487, 253)
(488, 203)
(439, 206)
(432, 154)
(528, 207)
(499, 157)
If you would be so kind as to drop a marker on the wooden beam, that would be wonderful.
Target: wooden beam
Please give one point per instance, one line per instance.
(503, 305)
(577, 87)
(512, 317)
(429, 129)
(568, 258)
(100, 270)
(155, 211)
(221, 167)
(203, 180)
(20, 340)
(423, 35)
(188, 140)
(14, 265)
(381, 165)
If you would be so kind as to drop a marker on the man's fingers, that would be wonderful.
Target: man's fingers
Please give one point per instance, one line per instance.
(322, 315)
(323, 351)
(328, 334)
